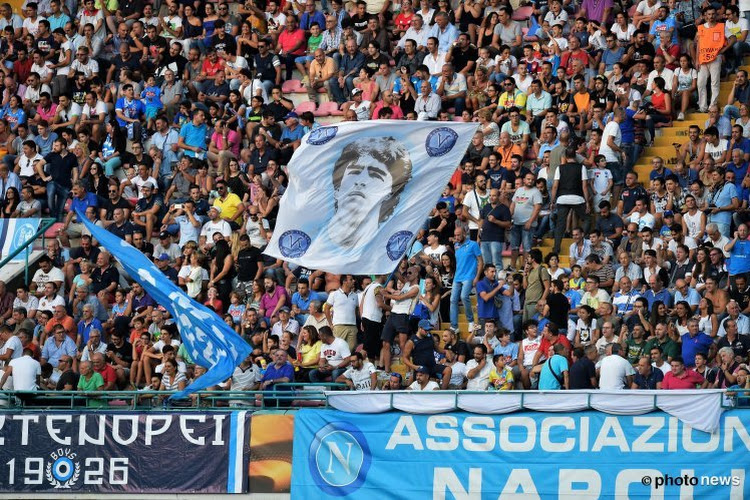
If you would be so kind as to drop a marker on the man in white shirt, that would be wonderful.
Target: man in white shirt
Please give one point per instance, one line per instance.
(341, 310)
(215, 225)
(26, 372)
(335, 357)
(478, 370)
(615, 372)
(423, 382)
(47, 273)
(361, 374)
(12, 347)
(427, 104)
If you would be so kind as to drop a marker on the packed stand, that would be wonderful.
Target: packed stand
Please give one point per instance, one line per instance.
(171, 126)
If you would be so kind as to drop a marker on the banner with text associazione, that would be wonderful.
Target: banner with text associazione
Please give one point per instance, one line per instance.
(123, 452)
(523, 455)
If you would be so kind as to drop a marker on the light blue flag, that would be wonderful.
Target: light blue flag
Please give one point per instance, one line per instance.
(210, 341)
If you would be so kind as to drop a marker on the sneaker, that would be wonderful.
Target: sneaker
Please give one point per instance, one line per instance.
(681, 116)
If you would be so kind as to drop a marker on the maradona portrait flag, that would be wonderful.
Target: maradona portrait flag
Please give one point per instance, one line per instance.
(359, 191)
(210, 342)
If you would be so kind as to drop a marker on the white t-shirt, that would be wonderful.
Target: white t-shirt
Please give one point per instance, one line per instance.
(13, 343)
(613, 371)
(90, 68)
(435, 253)
(482, 379)
(645, 9)
(55, 274)
(601, 178)
(665, 367)
(431, 386)
(529, 348)
(668, 76)
(99, 108)
(474, 202)
(211, 227)
(363, 111)
(370, 309)
(403, 306)
(244, 380)
(27, 165)
(32, 304)
(458, 373)
(46, 304)
(612, 129)
(335, 352)
(344, 307)
(197, 274)
(361, 378)
(25, 371)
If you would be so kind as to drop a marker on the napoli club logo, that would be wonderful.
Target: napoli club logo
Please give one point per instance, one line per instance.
(62, 471)
(396, 246)
(339, 458)
(24, 232)
(440, 141)
(294, 244)
(321, 135)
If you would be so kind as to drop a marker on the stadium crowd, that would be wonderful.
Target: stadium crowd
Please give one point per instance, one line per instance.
(171, 124)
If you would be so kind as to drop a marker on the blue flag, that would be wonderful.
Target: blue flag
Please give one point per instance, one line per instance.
(210, 341)
(14, 234)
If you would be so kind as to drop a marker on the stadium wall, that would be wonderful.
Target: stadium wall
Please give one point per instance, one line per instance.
(332, 454)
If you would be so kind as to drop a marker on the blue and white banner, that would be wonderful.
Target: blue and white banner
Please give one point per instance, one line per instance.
(209, 340)
(359, 191)
(14, 234)
(55, 452)
(525, 456)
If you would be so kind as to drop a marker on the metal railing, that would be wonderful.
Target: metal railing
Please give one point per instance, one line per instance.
(287, 396)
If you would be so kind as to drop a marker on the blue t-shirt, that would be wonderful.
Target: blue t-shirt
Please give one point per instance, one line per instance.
(665, 25)
(131, 109)
(90, 200)
(723, 198)
(627, 127)
(509, 351)
(739, 172)
(272, 373)
(292, 135)
(486, 309)
(693, 345)
(303, 303)
(193, 136)
(655, 175)
(467, 254)
(152, 97)
(547, 380)
(739, 258)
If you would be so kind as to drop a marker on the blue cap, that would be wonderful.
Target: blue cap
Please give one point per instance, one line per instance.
(425, 325)
(668, 213)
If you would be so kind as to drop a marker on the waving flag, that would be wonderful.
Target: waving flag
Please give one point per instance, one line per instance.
(14, 234)
(359, 191)
(210, 342)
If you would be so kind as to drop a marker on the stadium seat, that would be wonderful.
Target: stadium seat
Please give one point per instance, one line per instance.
(291, 86)
(663, 125)
(329, 108)
(305, 106)
(53, 230)
(522, 13)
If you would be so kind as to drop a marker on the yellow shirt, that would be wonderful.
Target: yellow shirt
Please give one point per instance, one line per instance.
(502, 381)
(229, 207)
(310, 352)
(112, 5)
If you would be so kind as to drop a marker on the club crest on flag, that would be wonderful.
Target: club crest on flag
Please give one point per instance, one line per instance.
(355, 205)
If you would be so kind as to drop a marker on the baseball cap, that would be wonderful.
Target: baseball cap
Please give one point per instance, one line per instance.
(291, 114)
(164, 235)
(601, 77)
(215, 207)
(356, 92)
(285, 309)
(149, 185)
(164, 257)
(668, 213)
(425, 325)
(423, 369)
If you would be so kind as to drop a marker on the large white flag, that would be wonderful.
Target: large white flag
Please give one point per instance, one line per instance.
(359, 191)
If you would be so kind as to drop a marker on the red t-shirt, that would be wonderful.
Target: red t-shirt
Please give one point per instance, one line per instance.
(287, 41)
(688, 380)
(674, 51)
(108, 374)
(545, 344)
(565, 61)
(210, 69)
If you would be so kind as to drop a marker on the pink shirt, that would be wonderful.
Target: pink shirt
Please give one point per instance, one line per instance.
(688, 381)
(234, 141)
(397, 113)
(47, 115)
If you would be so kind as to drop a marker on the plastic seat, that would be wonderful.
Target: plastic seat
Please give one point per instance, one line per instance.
(305, 106)
(522, 13)
(52, 231)
(292, 86)
(330, 108)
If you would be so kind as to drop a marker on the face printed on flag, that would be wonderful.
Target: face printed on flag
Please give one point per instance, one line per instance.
(368, 180)
(359, 192)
